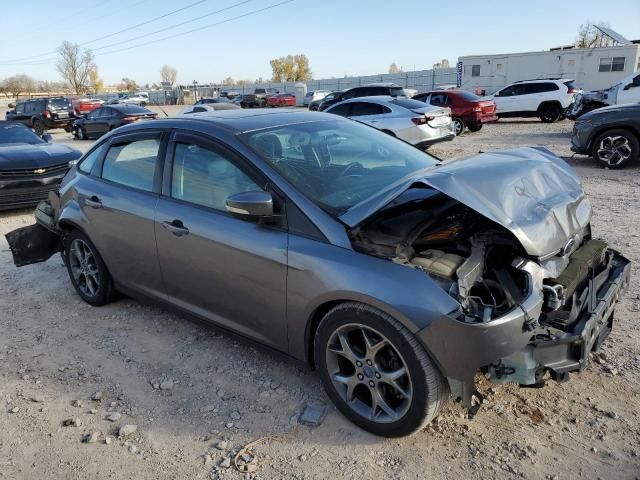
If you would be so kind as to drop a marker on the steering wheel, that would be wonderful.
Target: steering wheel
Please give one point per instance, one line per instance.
(351, 166)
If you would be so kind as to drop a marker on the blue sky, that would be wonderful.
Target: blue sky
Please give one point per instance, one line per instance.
(352, 37)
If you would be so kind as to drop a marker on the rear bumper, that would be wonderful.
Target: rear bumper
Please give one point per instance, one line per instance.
(511, 352)
(482, 118)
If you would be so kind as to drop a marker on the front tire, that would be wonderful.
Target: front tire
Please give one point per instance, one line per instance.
(615, 148)
(376, 372)
(458, 125)
(87, 271)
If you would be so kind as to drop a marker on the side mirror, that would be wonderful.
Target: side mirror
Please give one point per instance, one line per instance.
(250, 205)
(12, 105)
(47, 138)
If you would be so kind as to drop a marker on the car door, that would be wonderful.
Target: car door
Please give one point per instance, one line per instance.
(102, 120)
(228, 270)
(20, 116)
(629, 92)
(91, 120)
(118, 199)
(507, 99)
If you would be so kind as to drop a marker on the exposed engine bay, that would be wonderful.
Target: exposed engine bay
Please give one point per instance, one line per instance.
(484, 267)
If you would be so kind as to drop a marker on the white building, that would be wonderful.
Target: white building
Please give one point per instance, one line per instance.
(591, 68)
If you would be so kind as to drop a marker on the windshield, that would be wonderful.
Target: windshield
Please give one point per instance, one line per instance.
(336, 163)
(17, 133)
(57, 103)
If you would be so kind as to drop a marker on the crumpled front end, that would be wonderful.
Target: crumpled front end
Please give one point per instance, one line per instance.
(564, 315)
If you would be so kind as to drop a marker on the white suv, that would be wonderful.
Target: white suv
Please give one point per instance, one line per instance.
(547, 99)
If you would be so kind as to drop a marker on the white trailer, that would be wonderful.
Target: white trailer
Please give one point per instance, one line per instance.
(591, 68)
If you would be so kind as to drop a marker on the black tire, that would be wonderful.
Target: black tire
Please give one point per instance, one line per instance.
(615, 148)
(474, 126)
(38, 127)
(314, 108)
(103, 288)
(458, 125)
(428, 388)
(80, 133)
(549, 113)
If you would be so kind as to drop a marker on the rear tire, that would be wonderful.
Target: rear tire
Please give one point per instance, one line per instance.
(550, 113)
(314, 108)
(474, 126)
(80, 133)
(376, 371)
(458, 125)
(87, 271)
(615, 148)
(38, 127)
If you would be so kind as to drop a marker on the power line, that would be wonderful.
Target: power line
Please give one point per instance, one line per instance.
(197, 29)
(172, 26)
(155, 19)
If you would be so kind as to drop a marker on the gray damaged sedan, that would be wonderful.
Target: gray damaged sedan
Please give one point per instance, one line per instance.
(397, 277)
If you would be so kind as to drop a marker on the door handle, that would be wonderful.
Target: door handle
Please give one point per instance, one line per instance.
(176, 227)
(93, 202)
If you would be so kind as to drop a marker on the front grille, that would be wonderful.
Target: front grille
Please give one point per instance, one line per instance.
(24, 197)
(36, 171)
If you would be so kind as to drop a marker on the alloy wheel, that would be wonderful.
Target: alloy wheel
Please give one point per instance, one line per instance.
(614, 150)
(369, 373)
(457, 126)
(84, 267)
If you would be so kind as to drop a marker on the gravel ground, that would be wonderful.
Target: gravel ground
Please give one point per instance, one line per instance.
(71, 372)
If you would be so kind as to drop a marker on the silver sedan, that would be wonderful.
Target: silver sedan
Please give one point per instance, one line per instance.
(410, 120)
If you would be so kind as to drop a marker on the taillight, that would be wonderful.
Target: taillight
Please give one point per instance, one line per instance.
(129, 119)
(421, 120)
(47, 114)
(572, 90)
(477, 108)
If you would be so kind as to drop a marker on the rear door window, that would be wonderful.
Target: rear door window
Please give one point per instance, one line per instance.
(87, 163)
(438, 99)
(133, 164)
(342, 109)
(397, 92)
(359, 109)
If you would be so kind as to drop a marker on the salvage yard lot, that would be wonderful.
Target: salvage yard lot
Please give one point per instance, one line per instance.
(197, 395)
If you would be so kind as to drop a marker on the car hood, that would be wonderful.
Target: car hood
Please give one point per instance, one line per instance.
(25, 155)
(529, 191)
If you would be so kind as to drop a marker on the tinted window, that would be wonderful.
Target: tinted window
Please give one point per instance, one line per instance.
(59, 103)
(87, 163)
(468, 96)
(343, 109)
(397, 92)
(31, 107)
(18, 133)
(204, 177)
(353, 93)
(512, 90)
(20, 108)
(530, 88)
(132, 164)
(365, 108)
(438, 99)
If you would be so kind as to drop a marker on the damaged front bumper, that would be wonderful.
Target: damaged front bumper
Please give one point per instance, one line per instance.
(518, 347)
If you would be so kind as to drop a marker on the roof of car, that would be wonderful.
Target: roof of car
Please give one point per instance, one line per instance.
(537, 80)
(240, 120)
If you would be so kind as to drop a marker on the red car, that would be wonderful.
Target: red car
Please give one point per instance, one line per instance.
(467, 109)
(82, 106)
(282, 100)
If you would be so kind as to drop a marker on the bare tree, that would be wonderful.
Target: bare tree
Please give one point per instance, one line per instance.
(74, 65)
(168, 74)
(590, 37)
(18, 84)
(444, 63)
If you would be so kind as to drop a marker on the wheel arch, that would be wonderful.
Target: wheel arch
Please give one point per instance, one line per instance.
(605, 128)
(319, 312)
(547, 103)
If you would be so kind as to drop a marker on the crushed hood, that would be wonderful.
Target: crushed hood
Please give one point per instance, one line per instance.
(529, 191)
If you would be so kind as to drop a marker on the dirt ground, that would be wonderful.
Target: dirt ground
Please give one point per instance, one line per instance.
(197, 395)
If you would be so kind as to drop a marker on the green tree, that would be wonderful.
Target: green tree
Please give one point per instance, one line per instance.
(292, 68)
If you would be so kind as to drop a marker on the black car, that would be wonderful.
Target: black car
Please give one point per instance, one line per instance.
(205, 101)
(610, 135)
(315, 104)
(104, 119)
(30, 166)
(43, 114)
(391, 89)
